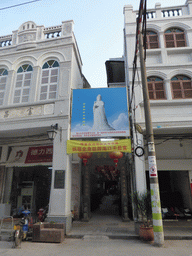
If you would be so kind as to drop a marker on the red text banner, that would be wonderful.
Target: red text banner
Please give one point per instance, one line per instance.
(39, 154)
(77, 146)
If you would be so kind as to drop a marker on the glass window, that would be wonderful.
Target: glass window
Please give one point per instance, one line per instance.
(23, 82)
(156, 88)
(3, 81)
(174, 37)
(181, 87)
(49, 80)
(152, 41)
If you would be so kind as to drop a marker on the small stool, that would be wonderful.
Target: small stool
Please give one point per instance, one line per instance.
(176, 215)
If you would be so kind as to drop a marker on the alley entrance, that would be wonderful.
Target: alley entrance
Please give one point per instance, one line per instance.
(106, 188)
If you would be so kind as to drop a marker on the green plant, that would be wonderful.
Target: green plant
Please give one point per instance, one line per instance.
(142, 202)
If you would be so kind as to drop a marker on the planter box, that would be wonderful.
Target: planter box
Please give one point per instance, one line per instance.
(146, 233)
(48, 232)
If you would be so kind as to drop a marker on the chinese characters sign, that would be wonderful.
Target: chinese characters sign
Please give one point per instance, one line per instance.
(76, 146)
(39, 154)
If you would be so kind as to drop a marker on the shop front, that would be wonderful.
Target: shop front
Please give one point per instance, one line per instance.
(27, 181)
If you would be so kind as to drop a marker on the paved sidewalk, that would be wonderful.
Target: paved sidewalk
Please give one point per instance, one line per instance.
(114, 228)
(101, 226)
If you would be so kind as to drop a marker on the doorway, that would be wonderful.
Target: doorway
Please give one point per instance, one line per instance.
(30, 188)
(175, 193)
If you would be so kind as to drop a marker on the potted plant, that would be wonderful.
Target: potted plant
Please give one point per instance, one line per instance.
(142, 202)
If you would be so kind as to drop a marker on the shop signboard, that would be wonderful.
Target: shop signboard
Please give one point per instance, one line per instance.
(100, 112)
(39, 154)
(29, 155)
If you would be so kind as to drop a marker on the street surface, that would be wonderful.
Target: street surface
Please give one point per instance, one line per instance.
(98, 247)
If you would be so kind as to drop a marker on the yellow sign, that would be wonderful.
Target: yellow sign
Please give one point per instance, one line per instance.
(79, 146)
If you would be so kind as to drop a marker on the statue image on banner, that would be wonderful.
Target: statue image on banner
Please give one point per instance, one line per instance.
(100, 122)
(100, 113)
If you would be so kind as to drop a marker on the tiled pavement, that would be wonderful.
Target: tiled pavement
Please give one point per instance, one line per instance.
(113, 227)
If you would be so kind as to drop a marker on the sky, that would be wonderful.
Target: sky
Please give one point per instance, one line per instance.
(98, 27)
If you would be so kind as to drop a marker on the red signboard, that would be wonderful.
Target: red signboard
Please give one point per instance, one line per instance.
(39, 154)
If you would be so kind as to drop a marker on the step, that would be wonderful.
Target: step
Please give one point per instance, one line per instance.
(95, 237)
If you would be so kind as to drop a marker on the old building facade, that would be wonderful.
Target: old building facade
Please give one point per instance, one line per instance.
(39, 67)
(169, 78)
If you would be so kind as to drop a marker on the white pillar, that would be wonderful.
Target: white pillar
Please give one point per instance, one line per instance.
(35, 84)
(60, 197)
(168, 89)
(9, 88)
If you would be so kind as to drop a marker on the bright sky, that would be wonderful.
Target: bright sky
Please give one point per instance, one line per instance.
(98, 26)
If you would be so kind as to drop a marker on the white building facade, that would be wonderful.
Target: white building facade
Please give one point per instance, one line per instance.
(39, 68)
(169, 76)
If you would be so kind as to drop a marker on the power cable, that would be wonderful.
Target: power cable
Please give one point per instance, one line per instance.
(16, 5)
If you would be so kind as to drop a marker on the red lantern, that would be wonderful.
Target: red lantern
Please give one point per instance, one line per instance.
(115, 156)
(85, 156)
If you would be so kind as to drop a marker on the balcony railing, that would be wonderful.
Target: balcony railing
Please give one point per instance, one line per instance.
(5, 41)
(171, 13)
(52, 32)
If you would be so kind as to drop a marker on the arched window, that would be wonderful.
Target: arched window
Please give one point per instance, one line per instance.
(174, 37)
(156, 88)
(49, 80)
(3, 80)
(23, 82)
(152, 41)
(181, 87)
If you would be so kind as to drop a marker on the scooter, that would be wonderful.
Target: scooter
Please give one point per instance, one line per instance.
(42, 213)
(23, 230)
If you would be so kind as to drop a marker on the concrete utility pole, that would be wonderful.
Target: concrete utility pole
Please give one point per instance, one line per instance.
(154, 185)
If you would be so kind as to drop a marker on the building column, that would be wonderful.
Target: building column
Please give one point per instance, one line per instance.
(35, 84)
(164, 56)
(9, 87)
(60, 196)
(86, 193)
(168, 89)
(124, 194)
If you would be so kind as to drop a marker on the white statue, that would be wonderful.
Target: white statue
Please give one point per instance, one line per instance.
(100, 120)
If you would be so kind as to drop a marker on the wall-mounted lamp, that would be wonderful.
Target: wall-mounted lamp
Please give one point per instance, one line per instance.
(52, 133)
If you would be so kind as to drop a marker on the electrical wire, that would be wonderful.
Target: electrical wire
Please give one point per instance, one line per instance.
(16, 5)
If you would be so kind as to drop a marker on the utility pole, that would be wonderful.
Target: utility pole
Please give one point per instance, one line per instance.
(154, 185)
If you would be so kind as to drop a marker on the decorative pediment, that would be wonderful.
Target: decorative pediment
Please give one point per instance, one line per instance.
(27, 32)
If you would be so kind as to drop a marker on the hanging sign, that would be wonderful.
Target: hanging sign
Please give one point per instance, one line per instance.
(78, 146)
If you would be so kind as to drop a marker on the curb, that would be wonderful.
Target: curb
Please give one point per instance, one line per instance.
(124, 237)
